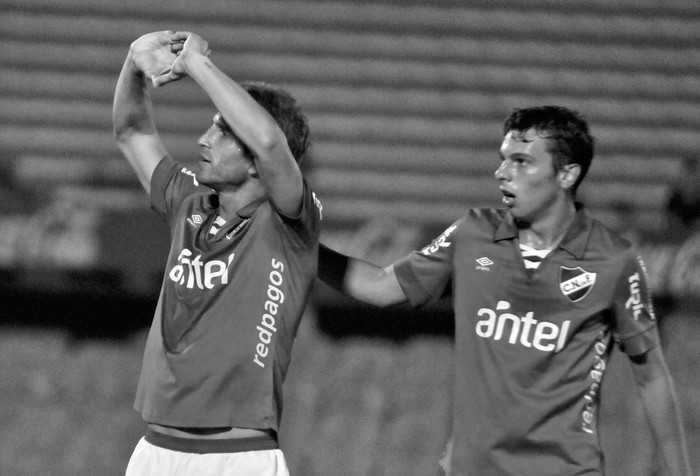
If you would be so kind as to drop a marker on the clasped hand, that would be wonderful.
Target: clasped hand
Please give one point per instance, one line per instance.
(160, 55)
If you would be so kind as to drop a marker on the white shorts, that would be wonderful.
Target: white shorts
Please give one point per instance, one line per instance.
(151, 460)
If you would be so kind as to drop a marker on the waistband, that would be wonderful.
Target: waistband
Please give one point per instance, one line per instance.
(204, 446)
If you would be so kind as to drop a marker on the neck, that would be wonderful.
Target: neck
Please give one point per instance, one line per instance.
(547, 233)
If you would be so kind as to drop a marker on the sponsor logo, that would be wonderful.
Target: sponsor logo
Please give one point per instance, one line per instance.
(575, 283)
(483, 263)
(187, 171)
(591, 398)
(635, 302)
(524, 330)
(192, 272)
(440, 242)
(195, 221)
(266, 329)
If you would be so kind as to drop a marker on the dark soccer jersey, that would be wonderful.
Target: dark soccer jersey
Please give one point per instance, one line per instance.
(230, 305)
(531, 346)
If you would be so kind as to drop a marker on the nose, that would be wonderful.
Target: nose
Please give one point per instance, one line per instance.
(203, 140)
(501, 172)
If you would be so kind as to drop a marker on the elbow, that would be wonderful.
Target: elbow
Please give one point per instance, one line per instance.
(122, 134)
(122, 126)
(269, 139)
(119, 133)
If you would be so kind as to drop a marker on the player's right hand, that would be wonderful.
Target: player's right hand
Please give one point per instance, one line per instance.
(153, 55)
(183, 44)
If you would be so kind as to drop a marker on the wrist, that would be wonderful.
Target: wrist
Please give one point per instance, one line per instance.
(190, 60)
(132, 67)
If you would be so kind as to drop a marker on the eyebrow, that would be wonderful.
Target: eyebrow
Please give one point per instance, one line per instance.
(219, 121)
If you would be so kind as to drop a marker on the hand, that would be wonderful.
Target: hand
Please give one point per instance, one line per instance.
(153, 54)
(183, 44)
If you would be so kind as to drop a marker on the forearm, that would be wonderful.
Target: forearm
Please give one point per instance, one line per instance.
(663, 414)
(251, 123)
(359, 279)
(662, 411)
(134, 128)
(132, 110)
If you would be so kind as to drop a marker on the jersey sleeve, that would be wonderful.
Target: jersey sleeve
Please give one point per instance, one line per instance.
(306, 224)
(423, 275)
(171, 183)
(633, 309)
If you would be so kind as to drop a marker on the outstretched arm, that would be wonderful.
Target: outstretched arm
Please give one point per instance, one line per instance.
(277, 169)
(134, 129)
(359, 279)
(661, 408)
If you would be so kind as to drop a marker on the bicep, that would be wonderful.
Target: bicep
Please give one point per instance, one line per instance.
(143, 152)
(282, 179)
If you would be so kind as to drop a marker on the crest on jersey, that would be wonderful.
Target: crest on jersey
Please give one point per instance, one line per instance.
(576, 283)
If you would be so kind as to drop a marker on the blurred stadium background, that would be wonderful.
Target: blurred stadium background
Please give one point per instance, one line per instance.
(406, 101)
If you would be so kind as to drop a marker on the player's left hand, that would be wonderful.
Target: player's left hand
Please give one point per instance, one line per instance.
(182, 44)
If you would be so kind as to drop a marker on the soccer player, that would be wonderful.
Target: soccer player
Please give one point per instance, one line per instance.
(244, 244)
(540, 291)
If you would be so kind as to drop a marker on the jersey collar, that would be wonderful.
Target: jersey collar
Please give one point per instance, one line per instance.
(246, 211)
(574, 241)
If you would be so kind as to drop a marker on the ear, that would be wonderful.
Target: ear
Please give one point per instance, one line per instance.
(568, 175)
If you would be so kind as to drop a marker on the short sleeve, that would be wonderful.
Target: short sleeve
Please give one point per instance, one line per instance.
(306, 223)
(423, 275)
(633, 308)
(170, 184)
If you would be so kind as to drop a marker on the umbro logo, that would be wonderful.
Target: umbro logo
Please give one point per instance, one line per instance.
(483, 263)
(195, 220)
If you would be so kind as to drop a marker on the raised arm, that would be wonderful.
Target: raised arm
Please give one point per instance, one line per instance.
(359, 279)
(662, 412)
(134, 129)
(276, 167)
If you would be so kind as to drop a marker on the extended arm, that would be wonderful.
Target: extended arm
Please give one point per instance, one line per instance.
(132, 114)
(661, 408)
(252, 124)
(359, 279)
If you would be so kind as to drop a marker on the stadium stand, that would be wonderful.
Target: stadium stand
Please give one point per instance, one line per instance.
(405, 99)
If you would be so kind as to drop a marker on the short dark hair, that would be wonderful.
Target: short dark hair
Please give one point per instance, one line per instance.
(570, 139)
(286, 112)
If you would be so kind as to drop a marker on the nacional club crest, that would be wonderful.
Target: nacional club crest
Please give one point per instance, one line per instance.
(576, 283)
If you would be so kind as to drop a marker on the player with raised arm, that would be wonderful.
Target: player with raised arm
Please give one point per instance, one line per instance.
(244, 238)
(541, 291)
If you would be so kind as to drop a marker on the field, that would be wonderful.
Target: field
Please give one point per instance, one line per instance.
(355, 406)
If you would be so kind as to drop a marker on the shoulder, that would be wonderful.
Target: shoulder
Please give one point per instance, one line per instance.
(607, 241)
(619, 258)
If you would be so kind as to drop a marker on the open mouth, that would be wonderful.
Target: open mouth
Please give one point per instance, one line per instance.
(507, 194)
(508, 197)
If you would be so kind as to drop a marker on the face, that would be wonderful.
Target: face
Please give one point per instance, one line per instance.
(530, 186)
(225, 158)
